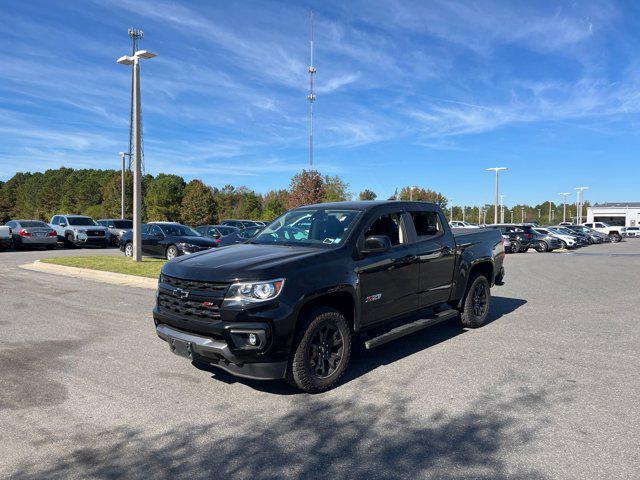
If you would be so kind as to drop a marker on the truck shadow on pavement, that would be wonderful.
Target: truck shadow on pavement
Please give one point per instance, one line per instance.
(319, 437)
(363, 361)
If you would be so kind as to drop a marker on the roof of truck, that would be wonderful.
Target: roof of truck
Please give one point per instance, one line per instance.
(363, 204)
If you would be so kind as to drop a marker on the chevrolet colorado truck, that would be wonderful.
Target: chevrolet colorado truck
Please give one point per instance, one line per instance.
(290, 302)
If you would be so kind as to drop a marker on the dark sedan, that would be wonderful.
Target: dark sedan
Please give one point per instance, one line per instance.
(217, 232)
(544, 242)
(240, 236)
(167, 240)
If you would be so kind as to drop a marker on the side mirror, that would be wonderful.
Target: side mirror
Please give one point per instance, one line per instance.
(376, 243)
(62, 224)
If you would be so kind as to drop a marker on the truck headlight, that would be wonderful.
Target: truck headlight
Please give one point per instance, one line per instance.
(256, 291)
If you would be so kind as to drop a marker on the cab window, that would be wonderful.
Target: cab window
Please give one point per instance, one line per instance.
(427, 224)
(389, 225)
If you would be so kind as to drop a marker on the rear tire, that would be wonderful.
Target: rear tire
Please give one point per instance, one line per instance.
(543, 247)
(615, 237)
(321, 352)
(475, 308)
(563, 244)
(515, 246)
(128, 249)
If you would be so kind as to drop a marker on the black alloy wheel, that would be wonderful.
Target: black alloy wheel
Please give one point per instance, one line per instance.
(325, 350)
(479, 296)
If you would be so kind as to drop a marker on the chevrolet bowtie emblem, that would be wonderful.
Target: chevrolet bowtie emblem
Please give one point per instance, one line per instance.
(180, 293)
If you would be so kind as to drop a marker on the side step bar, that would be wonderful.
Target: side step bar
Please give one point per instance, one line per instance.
(410, 328)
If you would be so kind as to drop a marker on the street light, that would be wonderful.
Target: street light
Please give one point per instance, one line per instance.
(501, 209)
(579, 205)
(137, 136)
(564, 206)
(497, 170)
(122, 185)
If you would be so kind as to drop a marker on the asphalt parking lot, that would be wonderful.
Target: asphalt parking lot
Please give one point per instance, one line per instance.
(550, 388)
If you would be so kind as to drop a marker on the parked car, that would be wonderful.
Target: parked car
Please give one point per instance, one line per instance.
(32, 233)
(239, 236)
(167, 240)
(506, 243)
(289, 303)
(117, 227)
(521, 236)
(615, 233)
(5, 237)
(544, 242)
(567, 241)
(76, 230)
(633, 231)
(217, 232)
(582, 240)
(461, 224)
(239, 223)
(594, 237)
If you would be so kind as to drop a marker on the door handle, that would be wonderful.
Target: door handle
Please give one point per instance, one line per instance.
(446, 250)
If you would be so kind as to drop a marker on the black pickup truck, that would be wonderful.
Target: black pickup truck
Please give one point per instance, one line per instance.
(289, 302)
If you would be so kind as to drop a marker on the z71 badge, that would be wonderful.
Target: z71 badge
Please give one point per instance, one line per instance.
(373, 298)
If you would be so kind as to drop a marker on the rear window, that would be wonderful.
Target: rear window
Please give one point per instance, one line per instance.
(123, 223)
(33, 224)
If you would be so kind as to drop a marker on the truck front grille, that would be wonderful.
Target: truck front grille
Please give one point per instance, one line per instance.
(197, 309)
(192, 285)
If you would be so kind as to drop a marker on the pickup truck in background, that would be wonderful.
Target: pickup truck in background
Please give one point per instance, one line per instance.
(5, 237)
(290, 302)
(615, 233)
(76, 230)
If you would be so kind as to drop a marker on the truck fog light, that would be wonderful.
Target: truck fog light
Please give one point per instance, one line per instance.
(253, 339)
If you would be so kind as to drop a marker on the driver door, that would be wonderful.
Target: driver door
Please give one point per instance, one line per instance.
(388, 281)
(151, 245)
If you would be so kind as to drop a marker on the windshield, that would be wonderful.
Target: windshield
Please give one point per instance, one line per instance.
(179, 230)
(123, 223)
(312, 227)
(249, 232)
(82, 221)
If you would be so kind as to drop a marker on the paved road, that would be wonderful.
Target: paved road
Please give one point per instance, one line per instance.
(549, 389)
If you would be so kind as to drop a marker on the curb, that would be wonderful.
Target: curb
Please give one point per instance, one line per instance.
(96, 275)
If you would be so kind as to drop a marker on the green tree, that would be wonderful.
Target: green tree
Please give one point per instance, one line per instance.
(307, 187)
(163, 198)
(111, 196)
(423, 195)
(336, 189)
(198, 204)
(274, 204)
(367, 194)
(249, 204)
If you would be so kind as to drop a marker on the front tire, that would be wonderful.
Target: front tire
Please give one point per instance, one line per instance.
(68, 240)
(322, 352)
(564, 245)
(543, 247)
(128, 250)
(475, 308)
(615, 237)
(515, 246)
(172, 252)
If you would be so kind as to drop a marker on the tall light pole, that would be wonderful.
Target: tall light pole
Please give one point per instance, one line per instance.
(512, 214)
(564, 205)
(497, 170)
(312, 96)
(137, 150)
(501, 209)
(522, 214)
(464, 209)
(579, 205)
(123, 185)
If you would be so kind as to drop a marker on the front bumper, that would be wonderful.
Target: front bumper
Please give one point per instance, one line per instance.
(216, 352)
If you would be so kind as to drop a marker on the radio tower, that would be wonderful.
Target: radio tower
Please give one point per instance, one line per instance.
(135, 34)
(311, 97)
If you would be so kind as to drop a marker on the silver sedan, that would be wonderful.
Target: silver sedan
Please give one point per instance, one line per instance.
(32, 233)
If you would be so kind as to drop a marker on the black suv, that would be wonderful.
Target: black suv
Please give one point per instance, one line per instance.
(522, 237)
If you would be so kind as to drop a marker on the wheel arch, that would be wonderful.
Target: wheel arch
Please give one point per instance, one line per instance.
(485, 267)
(340, 299)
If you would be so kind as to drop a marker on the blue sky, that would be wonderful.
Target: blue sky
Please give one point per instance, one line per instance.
(426, 93)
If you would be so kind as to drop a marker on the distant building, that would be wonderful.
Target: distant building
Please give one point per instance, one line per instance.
(625, 214)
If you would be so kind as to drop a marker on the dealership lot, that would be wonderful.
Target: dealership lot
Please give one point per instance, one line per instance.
(548, 389)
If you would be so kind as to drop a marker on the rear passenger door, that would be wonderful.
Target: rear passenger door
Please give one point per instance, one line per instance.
(388, 281)
(435, 248)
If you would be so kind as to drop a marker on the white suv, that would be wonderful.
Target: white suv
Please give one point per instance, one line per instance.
(615, 233)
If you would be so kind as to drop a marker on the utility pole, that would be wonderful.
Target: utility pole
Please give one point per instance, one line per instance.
(549, 211)
(539, 215)
(501, 209)
(312, 96)
(564, 205)
(497, 170)
(512, 214)
(135, 34)
(522, 214)
(484, 216)
(463, 212)
(137, 149)
(479, 215)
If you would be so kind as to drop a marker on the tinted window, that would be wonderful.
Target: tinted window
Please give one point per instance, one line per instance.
(427, 224)
(155, 230)
(226, 230)
(179, 230)
(33, 224)
(388, 225)
(81, 221)
(10, 224)
(123, 223)
(145, 228)
(55, 220)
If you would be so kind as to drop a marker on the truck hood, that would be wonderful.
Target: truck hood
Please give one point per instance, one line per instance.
(240, 262)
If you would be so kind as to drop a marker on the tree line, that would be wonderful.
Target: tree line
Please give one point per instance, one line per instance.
(168, 197)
